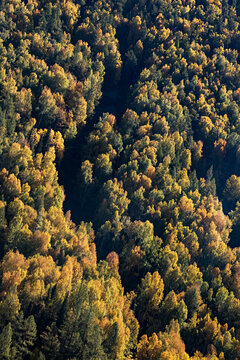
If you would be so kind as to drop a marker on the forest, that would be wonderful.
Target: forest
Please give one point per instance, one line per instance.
(119, 180)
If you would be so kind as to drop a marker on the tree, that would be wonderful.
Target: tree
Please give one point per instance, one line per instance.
(50, 341)
(193, 300)
(114, 200)
(149, 297)
(232, 189)
(47, 108)
(24, 335)
(5, 342)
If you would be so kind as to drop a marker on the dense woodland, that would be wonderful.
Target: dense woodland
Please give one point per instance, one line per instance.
(119, 179)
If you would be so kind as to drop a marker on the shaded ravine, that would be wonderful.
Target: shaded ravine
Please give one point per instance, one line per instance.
(114, 100)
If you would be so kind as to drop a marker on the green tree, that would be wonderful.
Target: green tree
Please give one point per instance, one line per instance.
(24, 335)
(5, 342)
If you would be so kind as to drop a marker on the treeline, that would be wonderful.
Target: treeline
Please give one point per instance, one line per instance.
(131, 108)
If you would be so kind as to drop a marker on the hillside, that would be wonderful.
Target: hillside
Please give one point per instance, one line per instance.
(119, 180)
